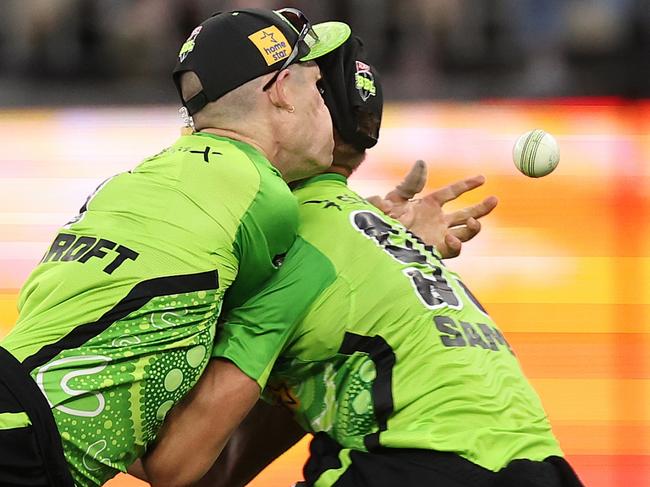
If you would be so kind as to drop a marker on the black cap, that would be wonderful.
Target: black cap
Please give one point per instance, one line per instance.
(353, 93)
(232, 48)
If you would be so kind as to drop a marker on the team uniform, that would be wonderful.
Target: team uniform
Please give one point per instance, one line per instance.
(118, 320)
(380, 349)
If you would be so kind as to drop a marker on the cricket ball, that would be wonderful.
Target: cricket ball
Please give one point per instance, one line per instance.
(536, 153)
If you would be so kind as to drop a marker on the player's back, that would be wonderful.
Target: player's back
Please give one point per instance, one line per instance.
(117, 321)
(395, 351)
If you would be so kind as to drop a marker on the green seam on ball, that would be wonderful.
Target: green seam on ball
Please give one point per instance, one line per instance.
(529, 151)
(539, 136)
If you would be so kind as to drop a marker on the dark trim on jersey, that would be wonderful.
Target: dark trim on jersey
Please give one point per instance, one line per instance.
(323, 456)
(140, 295)
(383, 357)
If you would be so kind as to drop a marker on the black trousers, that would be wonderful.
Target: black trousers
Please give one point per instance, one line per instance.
(30, 455)
(425, 468)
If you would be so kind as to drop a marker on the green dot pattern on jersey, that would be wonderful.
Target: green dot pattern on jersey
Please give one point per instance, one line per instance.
(351, 415)
(111, 395)
(356, 414)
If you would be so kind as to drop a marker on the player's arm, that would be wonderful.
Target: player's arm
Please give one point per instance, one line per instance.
(137, 470)
(253, 335)
(247, 345)
(266, 433)
(197, 429)
(426, 216)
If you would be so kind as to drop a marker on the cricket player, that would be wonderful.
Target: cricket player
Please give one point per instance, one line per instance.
(117, 322)
(376, 346)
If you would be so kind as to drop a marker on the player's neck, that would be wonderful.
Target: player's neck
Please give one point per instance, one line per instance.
(343, 171)
(235, 135)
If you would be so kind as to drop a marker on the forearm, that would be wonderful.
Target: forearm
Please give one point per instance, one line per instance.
(266, 433)
(137, 470)
(197, 429)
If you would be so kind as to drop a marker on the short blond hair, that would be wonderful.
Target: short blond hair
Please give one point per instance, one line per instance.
(231, 107)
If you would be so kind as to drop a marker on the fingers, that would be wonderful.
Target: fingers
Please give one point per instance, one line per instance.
(412, 183)
(398, 211)
(452, 248)
(380, 203)
(454, 190)
(488, 204)
(466, 232)
(393, 210)
(478, 210)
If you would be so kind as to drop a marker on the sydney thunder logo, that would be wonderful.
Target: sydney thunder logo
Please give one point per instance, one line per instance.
(188, 46)
(364, 81)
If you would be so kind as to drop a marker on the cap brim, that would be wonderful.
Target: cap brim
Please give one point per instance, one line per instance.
(330, 36)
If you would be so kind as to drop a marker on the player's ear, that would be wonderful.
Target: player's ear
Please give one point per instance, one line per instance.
(279, 91)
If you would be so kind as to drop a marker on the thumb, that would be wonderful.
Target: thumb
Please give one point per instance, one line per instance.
(412, 183)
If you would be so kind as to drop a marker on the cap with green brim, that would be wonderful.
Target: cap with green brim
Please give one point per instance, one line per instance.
(232, 48)
(330, 36)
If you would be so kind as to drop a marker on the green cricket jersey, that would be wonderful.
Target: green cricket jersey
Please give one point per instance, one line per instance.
(379, 344)
(117, 322)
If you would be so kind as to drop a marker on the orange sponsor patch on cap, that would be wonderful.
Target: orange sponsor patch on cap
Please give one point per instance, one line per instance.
(271, 44)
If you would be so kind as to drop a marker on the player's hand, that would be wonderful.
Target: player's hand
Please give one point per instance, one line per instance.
(426, 217)
(394, 203)
(447, 231)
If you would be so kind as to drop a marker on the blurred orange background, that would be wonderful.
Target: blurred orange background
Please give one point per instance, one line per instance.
(562, 264)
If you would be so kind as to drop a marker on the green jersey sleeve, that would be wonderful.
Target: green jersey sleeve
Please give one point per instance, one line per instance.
(118, 320)
(255, 333)
(265, 233)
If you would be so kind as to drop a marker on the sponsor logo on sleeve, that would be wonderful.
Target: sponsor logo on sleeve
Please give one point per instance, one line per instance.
(271, 44)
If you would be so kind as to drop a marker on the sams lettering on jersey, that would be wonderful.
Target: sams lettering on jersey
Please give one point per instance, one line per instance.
(465, 334)
(68, 247)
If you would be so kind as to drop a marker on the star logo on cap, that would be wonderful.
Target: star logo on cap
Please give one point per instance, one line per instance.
(269, 34)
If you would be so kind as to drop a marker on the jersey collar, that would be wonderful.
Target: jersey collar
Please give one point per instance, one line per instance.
(327, 176)
(248, 149)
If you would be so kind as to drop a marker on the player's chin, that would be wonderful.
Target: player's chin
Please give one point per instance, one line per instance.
(324, 158)
(312, 165)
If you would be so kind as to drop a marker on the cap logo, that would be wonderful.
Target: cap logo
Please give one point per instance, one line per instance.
(364, 81)
(361, 66)
(188, 46)
(271, 44)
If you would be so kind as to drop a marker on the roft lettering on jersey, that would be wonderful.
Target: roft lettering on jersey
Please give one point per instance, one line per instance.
(68, 247)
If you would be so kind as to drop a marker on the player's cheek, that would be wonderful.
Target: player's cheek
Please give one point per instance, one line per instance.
(322, 107)
(319, 110)
(317, 97)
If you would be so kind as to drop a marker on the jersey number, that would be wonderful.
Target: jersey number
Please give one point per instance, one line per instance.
(428, 280)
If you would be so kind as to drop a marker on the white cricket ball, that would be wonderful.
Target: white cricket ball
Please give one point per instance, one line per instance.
(536, 153)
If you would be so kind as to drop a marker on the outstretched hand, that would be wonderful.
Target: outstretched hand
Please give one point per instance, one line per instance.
(426, 217)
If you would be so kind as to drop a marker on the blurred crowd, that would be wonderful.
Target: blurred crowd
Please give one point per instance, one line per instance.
(449, 49)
